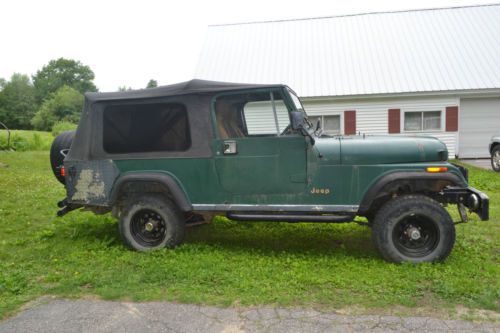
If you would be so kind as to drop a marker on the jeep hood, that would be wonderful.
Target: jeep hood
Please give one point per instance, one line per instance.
(362, 150)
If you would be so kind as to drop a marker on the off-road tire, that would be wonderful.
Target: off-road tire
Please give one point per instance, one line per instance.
(155, 208)
(370, 217)
(395, 222)
(61, 143)
(495, 163)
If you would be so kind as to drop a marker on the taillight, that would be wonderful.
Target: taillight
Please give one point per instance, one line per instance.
(62, 172)
(436, 169)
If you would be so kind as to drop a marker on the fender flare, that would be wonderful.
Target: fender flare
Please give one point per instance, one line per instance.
(386, 179)
(168, 182)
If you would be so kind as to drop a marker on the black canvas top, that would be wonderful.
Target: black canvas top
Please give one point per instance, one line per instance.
(195, 86)
(195, 95)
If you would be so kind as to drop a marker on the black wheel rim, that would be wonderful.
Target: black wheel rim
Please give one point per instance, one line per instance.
(416, 235)
(148, 228)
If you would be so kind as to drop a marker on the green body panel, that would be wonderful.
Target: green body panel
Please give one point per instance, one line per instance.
(287, 170)
(263, 165)
(388, 150)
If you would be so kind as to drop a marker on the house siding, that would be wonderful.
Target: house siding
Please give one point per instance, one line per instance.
(372, 114)
(260, 119)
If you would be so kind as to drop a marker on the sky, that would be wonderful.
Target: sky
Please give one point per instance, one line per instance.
(127, 43)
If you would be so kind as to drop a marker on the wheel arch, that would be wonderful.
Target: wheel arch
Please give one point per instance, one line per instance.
(406, 182)
(151, 182)
(493, 146)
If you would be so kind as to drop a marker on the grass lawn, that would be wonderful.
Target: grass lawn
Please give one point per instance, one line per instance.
(325, 266)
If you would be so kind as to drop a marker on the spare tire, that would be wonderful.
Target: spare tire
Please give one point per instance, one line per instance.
(58, 151)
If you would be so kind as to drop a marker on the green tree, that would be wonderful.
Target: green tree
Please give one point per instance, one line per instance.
(17, 101)
(152, 84)
(65, 105)
(124, 88)
(63, 72)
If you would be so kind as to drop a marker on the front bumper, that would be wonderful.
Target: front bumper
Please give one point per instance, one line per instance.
(475, 200)
(483, 209)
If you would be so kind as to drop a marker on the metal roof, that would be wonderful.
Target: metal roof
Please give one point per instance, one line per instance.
(444, 49)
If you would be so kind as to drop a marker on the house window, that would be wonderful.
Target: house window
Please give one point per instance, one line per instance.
(422, 121)
(329, 124)
(138, 128)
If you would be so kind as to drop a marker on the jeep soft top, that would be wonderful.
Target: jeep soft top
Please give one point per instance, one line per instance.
(160, 158)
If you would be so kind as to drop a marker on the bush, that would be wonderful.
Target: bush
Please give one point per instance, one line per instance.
(62, 126)
(26, 140)
(3, 140)
(64, 105)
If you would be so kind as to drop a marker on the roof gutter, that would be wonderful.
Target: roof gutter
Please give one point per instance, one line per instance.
(492, 92)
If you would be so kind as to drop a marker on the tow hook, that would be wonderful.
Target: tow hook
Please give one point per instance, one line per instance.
(462, 210)
(65, 207)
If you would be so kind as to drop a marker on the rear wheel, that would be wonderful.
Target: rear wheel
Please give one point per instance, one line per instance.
(58, 151)
(495, 158)
(413, 228)
(151, 222)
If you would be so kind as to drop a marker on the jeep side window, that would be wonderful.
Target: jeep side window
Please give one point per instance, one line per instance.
(134, 128)
(251, 114)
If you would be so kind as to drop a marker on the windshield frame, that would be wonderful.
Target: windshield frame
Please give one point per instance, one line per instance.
(295, 99)
(293, 96)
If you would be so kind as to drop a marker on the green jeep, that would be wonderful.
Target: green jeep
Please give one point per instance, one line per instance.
(161, 158)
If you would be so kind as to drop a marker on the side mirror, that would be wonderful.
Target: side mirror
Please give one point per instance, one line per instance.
(298, 120)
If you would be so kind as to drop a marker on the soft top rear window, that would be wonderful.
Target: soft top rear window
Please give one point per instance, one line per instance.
(137, 128)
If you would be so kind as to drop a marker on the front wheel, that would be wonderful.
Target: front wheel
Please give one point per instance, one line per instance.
(150, 222)
(495, 159)
(413, 228)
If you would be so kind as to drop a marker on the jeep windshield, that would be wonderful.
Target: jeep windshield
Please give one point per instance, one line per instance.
(298, 106)
(295, 100)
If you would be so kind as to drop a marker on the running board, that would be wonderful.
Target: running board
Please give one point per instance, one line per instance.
(291, 218)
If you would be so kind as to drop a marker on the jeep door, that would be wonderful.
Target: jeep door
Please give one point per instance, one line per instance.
(256, 152)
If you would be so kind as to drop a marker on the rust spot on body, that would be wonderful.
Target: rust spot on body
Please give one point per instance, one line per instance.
(89, 186)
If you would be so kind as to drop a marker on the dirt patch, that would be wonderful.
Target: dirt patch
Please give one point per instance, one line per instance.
(477, 314)
(36, 302)
(458, 312)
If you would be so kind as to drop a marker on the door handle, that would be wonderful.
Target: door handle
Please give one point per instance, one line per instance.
(229, 148)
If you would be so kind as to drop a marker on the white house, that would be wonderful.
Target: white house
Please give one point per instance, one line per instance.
(430, 72)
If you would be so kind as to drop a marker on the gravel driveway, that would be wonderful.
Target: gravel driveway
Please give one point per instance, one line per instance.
(103, 316)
